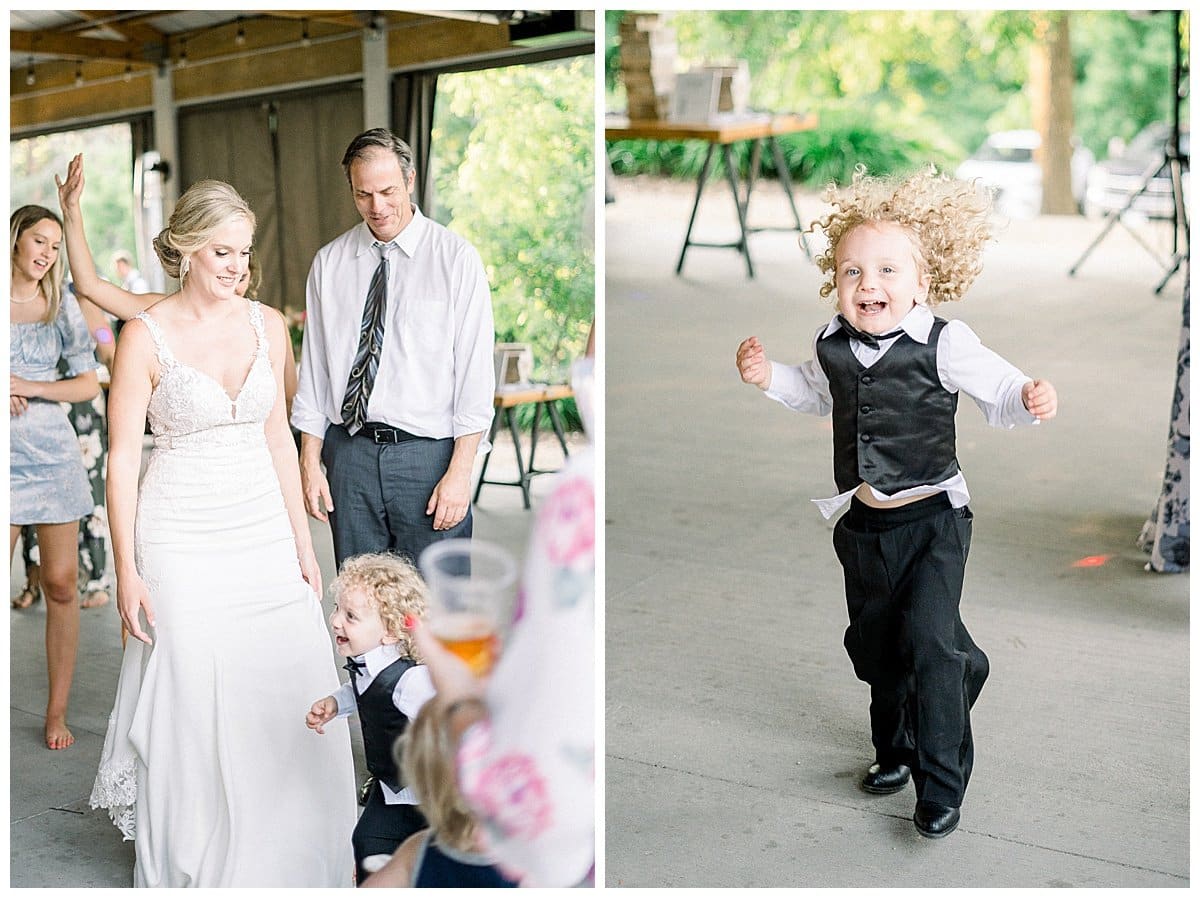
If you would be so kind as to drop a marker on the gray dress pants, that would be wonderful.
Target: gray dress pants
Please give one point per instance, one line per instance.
(380, 492)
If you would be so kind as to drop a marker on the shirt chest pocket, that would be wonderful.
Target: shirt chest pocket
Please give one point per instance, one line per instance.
(427, 323)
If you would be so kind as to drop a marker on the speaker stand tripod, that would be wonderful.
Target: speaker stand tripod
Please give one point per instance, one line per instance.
(1172, 162)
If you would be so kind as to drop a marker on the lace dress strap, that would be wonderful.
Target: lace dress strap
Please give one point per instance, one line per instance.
(165, 357)
(260, 329)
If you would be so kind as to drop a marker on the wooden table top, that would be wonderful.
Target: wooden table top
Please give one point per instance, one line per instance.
(719, 131)
(507, 398)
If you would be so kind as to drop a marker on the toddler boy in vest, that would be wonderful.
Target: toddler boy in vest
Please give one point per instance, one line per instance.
(891, 373)
(377, 599)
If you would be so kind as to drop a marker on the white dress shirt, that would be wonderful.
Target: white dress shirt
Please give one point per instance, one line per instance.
(963, 363)
(413, 689)
(436, 372)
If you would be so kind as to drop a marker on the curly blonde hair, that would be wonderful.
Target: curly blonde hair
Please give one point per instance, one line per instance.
(949, 220)
(426, 754)
(393, 587)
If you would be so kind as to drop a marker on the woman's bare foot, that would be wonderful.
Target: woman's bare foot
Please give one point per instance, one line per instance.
(97, 598)
(57, 734)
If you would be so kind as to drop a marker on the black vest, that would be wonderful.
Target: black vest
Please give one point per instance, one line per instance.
(382, 723)
(893, 423)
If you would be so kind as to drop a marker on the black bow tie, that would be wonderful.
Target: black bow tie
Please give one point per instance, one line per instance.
(863, 337)
(354, 666)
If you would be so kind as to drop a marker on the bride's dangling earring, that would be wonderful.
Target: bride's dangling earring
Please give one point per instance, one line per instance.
(184, 266)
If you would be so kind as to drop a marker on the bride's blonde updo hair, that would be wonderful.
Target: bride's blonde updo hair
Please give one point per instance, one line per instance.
(949, 221)
(204, 207)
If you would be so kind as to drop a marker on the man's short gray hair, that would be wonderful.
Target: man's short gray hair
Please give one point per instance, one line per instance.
(379, 139)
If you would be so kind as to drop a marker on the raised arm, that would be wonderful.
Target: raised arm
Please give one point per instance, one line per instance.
(113, 299)
(802, 388)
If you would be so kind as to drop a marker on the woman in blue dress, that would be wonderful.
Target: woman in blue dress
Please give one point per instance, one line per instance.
(48, 485)
(91, 426)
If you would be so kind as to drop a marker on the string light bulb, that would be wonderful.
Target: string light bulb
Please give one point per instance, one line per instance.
(240, 38)
(305, 41)
(183, 60)
(30, 77)
(79, 73)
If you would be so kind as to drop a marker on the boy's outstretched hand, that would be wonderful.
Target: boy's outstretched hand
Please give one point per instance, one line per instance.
(752, 363)
(322, 711)
(1040, 399)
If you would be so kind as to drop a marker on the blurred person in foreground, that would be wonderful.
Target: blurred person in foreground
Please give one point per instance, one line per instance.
(448, 854)
(524, 738)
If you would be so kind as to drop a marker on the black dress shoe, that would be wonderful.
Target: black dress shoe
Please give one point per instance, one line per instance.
(935, 821)
(881, 780)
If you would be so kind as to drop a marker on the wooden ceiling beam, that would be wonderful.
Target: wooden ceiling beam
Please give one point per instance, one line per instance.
(23, 43)
(345, 19)
(129, 29)
(133, 17)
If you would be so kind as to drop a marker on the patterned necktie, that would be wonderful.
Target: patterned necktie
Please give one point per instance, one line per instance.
(863, 337)
(370, 343)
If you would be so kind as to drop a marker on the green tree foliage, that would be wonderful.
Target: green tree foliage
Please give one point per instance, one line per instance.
(898, 88)
(108, 199)
(1123, 70)
(516, 179)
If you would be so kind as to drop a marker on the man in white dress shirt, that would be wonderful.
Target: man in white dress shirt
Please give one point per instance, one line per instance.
(396, 375)
(131, 278)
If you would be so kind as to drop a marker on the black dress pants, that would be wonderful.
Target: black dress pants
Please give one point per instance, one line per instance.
(382, 827)
(904, 576)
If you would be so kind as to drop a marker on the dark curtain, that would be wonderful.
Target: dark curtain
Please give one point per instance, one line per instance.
(413, 97)
(232, 143)
(141, 135)
(315, 199)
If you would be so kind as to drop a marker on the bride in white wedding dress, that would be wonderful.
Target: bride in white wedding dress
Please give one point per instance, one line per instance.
(207, 763)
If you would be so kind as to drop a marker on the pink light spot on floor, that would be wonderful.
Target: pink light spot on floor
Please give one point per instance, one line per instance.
(1092, 561)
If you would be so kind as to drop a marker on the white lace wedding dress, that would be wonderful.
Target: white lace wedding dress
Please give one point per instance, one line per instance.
(207, 763)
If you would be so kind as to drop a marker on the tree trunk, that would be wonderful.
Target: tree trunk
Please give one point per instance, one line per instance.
(1052, 82)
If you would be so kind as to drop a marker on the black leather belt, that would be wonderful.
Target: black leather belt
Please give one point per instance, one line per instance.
(381, 434)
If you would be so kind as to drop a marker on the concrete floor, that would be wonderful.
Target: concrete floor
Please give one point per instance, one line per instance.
(55, 839)
(736, 731)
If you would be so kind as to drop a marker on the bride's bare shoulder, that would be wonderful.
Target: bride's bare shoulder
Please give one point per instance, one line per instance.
(163, 308)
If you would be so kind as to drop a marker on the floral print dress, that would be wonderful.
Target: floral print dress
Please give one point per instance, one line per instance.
(1167, 534)
(90, 421)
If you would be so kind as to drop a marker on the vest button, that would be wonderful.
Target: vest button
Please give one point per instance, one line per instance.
(865, 409)
(867, 379)
(866, 438)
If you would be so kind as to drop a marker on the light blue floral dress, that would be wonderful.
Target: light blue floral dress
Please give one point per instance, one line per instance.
(48, 483)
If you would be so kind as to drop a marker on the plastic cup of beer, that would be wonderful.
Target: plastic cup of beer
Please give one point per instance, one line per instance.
(471, 585)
